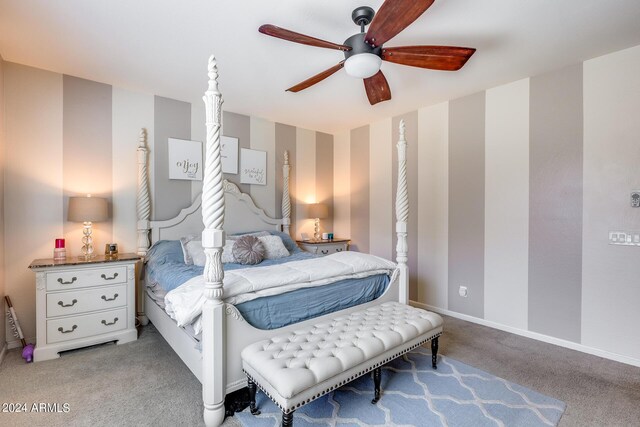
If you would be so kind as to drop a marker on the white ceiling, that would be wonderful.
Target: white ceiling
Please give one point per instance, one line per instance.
(161, 47)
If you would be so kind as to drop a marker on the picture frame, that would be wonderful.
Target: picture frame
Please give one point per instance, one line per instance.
(253, 167)
(185, 159)
(229, 154)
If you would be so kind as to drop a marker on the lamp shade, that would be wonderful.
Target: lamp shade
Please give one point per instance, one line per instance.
(317, 210)
(87, 209)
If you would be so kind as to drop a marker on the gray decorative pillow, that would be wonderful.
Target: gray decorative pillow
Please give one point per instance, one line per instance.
(248, 250)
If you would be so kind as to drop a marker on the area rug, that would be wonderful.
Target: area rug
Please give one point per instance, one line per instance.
(414, 394)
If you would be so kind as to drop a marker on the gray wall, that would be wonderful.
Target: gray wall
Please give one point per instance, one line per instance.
(555, 203)
(611, 152)
(237, 126)
(360, 189)
(466, 203)
(172, 119)
(324, 175)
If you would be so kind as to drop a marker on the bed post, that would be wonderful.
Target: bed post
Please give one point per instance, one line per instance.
(286, 198)
(213, 319)
(143, 210)
(402, 214)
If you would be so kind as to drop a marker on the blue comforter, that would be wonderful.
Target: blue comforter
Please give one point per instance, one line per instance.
(165, 268)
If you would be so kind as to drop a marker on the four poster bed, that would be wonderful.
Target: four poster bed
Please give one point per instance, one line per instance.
(222, 209)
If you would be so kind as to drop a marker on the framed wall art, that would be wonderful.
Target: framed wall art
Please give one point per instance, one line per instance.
(229, 154)
(185, 159)
(253, 167)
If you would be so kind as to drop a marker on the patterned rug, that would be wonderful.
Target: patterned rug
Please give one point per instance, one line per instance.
(414, 394)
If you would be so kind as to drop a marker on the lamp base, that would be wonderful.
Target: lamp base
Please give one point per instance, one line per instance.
(87, 240)
(316, 230)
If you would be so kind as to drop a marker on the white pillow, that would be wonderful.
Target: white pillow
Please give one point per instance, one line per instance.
(195, 252)
(273, 247)
(227, 252)
(184, 241)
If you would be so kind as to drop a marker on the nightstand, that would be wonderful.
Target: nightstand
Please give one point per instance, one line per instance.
(83, 302)
(324, 247)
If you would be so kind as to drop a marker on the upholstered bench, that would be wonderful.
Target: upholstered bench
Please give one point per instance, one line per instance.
(301, 366)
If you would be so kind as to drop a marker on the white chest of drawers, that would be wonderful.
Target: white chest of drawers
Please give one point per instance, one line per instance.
(324, 247)
(81, 303)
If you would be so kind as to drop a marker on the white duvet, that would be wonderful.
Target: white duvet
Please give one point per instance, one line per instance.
(184, 303)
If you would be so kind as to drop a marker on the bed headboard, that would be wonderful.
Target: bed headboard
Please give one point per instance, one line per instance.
(241, 215)
(241, 212)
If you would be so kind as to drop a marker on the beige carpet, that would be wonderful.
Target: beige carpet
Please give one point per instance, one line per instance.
(142, 383)
(145, 384)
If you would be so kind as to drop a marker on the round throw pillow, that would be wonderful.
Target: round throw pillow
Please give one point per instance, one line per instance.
(248, 250)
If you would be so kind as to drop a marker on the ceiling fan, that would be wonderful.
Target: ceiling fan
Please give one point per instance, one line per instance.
(364, 52)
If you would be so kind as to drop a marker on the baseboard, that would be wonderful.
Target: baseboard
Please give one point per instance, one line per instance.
(17, 344)
(533, 335)
(3, 351)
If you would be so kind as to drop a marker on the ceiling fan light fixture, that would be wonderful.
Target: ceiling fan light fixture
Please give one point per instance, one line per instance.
(363, 65)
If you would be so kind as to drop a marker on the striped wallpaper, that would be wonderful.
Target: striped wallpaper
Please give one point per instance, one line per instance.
(512, 192)
(68, 136)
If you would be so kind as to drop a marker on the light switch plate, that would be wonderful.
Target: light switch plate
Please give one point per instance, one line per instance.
(635, 199)
(624, 238)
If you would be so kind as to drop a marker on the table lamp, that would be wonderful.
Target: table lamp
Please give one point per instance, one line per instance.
(317, 211)
(87, 210)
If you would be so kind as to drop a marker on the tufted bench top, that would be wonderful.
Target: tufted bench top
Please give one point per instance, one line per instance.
(290, 364)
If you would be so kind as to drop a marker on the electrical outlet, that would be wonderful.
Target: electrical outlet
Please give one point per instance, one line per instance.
(635, 199)
(463, 291)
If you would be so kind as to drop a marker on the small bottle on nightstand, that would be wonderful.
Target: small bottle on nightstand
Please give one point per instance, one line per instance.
(59, 252)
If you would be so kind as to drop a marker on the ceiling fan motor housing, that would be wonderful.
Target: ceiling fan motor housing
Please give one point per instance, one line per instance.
(358, 45)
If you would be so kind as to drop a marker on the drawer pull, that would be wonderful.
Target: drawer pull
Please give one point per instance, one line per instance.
(73, 328)
(324, 251)
(104, 297)
(61, 304)
(104, 322)
(338, 249)
(109, 278)
(62, 282)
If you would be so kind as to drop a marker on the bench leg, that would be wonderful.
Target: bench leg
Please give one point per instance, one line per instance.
(252, 397)
(434, 353)
(377, 373)
(287, 419)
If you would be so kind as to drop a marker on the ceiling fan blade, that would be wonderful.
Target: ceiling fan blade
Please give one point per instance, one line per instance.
(377, 88)
(393, 17)
(281, 33)
(316, 79)
(447, 58)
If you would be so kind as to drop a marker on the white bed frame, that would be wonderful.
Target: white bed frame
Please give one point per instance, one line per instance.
(225, 332)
